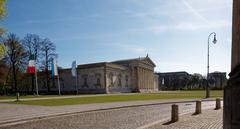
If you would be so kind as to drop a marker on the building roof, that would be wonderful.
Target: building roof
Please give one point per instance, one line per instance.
(117, 63)
(174, 73)
(101, 64)
(127, 61)
(92, 65)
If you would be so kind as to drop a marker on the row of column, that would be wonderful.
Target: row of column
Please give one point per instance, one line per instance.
(145, 79)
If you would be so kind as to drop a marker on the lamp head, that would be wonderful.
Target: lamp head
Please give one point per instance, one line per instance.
(214, 40)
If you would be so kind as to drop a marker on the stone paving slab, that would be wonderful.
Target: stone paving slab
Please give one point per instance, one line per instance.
(209, 119)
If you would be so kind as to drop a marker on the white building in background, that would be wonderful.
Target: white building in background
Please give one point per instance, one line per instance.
(131, 75)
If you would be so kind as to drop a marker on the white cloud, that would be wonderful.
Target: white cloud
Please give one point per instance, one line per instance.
(184, 15)
(131, 48)
(172, 66)
(125, 46)
(200, 26)
(183, 26)
(135, 48)
(194, 11)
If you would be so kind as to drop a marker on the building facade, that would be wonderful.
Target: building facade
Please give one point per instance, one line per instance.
(131, 75)
(183, 80)
(174, 80)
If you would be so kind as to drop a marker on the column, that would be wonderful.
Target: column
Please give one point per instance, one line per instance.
(231, 91)
(145, 76)
(138, 78)
(144, 79)
(152, 80)
(235, 34)
(147, 79)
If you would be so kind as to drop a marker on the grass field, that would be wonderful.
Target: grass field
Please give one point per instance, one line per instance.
(122, 98)
(26, 96)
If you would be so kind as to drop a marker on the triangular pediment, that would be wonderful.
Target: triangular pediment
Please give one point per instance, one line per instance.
(147, 60)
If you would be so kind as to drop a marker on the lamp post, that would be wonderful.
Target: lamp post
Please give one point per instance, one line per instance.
(214, 42)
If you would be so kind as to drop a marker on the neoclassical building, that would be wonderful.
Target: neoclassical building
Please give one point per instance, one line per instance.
(131, 75)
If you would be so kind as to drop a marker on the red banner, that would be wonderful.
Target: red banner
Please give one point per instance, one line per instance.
(31, 70)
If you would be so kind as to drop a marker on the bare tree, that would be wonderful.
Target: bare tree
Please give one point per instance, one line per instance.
(15, 56)
(31, 43)
(48, 52)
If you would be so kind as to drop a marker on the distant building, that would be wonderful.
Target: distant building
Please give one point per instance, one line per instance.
(131, 75)
(183, 80)
(173, 80)
(218, 79)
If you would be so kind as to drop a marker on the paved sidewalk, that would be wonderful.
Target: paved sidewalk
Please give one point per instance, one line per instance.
(209, 119)
(11, 113)
(121, 118)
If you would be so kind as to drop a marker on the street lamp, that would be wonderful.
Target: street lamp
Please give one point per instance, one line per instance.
(214, 42)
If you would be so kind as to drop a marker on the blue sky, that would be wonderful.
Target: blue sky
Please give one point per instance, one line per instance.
(173, 32)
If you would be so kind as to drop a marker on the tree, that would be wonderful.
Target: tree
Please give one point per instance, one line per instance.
(15, 56)
(31, 43)
(2, 8)
(2, 14)
(48, 52)
(196, 80)
(2, 47)
(2, 51)
(3, 74)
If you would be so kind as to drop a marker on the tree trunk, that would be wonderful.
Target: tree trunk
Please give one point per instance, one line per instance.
(14, 78)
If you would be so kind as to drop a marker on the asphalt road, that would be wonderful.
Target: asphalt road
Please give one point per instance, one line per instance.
(123, 118)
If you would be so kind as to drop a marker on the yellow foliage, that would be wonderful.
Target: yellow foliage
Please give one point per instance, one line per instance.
(2, 8)
(2, 14)
(2, 51)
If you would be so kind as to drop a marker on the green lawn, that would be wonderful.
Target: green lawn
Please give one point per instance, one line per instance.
(25, 96)
(121, 98)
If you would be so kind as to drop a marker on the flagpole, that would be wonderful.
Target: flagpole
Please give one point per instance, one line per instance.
(59, 91)
(74, 74)
(32, 64)
(36, 77)
(36, 80)
(58, 74)
(55, 72)
(76, 85)
(76, 78)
